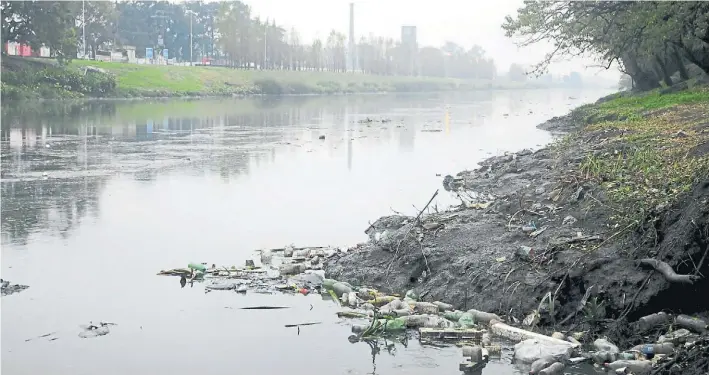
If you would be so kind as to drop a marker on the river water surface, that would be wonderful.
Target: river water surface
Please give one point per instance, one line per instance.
(98, 197)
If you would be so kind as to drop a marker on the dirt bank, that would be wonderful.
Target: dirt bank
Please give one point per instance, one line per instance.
(572, 221)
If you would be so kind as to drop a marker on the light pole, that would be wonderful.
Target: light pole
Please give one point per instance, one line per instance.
(191, 44)
(83, 27)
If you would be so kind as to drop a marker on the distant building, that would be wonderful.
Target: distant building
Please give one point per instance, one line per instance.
(410, 49)
(24, 50)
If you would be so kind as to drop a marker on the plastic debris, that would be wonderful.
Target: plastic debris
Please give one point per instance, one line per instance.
(467, 320)
(540, 364)
(531, 350)
(636, 367)
(556, 368)
(605, 346)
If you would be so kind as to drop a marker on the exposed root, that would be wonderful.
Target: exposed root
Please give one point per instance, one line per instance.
(667, 271)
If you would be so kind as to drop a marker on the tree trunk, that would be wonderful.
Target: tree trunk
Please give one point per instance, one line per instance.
(662, 71)
(644, 81)
(681, 68)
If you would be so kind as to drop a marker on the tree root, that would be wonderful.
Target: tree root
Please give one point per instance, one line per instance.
(667, 271)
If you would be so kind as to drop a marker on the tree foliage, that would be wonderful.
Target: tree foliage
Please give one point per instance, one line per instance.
(649, 40)
(227, 33)
(41, 23)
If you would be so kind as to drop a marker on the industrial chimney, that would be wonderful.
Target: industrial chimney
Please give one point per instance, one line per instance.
(352, 47)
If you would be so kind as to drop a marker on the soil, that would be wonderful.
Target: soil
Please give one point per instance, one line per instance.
(471, 256)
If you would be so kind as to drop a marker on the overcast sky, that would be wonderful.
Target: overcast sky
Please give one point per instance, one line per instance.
(464, 22)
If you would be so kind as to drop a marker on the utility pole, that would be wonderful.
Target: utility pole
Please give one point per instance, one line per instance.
(191, 44)
(352, 45)
(265, 44)
(83, 26)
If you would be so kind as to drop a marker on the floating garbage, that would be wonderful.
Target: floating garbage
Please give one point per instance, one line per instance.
(91, 330)
(299, 270)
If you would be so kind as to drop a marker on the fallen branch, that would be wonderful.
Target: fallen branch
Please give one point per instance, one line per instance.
(418, 217)
(667, 271)
(416, 221)
(701, 261)
(301, 324)
(264, 308)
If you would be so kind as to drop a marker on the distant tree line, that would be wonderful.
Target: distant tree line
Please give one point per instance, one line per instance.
(224, 31)
(653, 42)
(227, 32)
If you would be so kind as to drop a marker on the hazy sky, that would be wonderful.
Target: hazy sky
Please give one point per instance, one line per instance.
(464, 22)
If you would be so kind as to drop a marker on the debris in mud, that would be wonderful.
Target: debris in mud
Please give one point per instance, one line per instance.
(7, 288)
(598, 271)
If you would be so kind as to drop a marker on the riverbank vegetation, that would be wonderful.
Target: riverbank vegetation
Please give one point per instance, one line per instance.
(649, 151)
(40, 78)
(658, 135)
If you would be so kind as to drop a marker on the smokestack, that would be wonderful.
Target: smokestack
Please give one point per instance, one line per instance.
(352, 44)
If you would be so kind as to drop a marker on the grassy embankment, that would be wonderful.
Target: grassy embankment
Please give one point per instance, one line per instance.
(41, 78)
(643, 151)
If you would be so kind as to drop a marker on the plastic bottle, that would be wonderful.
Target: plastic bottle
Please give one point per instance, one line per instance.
(197, 267)
(636, 367)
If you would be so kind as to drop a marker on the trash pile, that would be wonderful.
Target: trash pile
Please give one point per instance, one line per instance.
(299, 270)
(288, 269)
(541, 354)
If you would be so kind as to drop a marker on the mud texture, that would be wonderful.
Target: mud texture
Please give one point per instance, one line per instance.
(474, 256)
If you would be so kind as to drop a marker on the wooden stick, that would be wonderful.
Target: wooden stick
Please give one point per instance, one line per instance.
(301, 324)
(409, 231)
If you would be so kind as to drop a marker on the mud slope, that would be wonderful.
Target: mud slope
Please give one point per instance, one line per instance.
(629, 182)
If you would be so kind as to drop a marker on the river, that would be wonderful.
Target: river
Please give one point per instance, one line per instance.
(97, 198)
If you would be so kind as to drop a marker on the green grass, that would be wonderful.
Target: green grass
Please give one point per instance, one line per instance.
(650, 157)
(199, 80)
(134, 80)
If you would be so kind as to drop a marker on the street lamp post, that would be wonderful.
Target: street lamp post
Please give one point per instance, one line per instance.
(191, 44)
(83, 27)
(191, 12)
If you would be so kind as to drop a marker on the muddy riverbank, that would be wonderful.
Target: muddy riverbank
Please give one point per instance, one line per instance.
(591, 222)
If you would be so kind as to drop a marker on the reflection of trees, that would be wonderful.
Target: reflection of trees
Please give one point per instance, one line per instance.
(50, 205)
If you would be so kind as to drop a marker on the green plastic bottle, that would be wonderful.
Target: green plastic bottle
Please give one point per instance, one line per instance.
(197, 267)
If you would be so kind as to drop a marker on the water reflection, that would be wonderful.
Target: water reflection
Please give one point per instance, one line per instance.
(123, 189)
(47, 149)
(57, 208)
